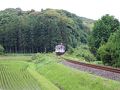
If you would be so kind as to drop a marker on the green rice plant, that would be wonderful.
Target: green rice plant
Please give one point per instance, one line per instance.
(14, 76)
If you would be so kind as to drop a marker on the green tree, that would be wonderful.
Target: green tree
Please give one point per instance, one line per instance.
(110, 52)
(102, 30)
(33, 31)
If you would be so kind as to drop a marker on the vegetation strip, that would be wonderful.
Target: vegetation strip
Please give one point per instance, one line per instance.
(44, 83)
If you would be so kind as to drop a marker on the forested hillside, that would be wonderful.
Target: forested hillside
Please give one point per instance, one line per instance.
(88, 22)
(33, 31)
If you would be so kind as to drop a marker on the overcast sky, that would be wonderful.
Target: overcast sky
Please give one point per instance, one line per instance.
(93, 9)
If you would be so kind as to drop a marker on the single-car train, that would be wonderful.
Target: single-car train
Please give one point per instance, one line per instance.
(60, 49)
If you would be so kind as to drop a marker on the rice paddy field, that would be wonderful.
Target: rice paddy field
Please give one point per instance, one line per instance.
(45, 72)
(14, 76)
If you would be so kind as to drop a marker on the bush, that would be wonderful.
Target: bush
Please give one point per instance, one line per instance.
(110, 52)
(83, 52)
(70, 50)
(1, 50)
(40, 58)
(104, 55)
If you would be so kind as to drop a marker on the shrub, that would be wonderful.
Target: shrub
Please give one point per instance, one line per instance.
(104, 55)
(40, 58)
(83, 52)
(110, 52)
(70, 50)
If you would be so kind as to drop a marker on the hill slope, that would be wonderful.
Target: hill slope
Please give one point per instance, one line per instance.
(33, 31)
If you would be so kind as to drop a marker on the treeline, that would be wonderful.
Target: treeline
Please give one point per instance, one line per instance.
(33, 31)
(105, 40)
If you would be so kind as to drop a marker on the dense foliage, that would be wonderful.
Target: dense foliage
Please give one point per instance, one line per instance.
(33, 31)
(1, 49)
(102, 30)
(104, 41)
(110, 52)
(82, 52)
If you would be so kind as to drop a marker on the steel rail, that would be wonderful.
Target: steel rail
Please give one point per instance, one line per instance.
(106, 68)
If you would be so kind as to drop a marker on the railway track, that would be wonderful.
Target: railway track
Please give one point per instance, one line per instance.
(106, 68)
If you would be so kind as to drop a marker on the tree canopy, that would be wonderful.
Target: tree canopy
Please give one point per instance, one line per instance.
(33, 31)
(110, 52)
(104, 40)
(102, 30)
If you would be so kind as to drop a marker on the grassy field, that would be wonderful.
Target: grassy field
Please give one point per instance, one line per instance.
(70, 79)
(16, 57)
(45, 72)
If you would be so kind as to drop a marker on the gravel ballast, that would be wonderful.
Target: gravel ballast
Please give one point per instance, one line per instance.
(98, 72)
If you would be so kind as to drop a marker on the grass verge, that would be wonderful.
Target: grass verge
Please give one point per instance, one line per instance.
(70, 79)
(44, 83)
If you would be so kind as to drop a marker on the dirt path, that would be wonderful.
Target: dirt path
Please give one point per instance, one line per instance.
(98, 72)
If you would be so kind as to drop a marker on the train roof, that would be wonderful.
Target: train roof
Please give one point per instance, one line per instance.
(60, 46)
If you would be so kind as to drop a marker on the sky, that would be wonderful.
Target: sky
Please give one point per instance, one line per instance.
(92, 9)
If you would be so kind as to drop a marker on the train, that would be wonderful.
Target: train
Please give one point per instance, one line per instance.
(60, 49)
